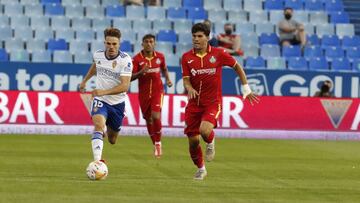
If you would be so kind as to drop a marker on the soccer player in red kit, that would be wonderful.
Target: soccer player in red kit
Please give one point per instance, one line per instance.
(202, 68)
(147, 65)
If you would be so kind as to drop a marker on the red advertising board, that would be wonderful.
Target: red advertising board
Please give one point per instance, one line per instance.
(272, 113)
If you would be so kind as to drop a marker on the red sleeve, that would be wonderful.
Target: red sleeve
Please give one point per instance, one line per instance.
(227, 59)
(135, 65)
(163, 63)
(184, 67)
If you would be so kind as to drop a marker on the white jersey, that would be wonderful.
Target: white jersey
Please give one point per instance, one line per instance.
(108, 72)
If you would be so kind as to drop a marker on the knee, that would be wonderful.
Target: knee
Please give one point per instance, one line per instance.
(155, 116)
(194, 143)
(205, 131)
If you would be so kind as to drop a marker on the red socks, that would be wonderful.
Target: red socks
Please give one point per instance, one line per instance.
(197, 156)
(210, 138)
(150, 131)
(157, 130)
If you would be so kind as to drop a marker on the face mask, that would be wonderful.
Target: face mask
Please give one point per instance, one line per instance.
(288, 16)
(228, 32)
(325, 88)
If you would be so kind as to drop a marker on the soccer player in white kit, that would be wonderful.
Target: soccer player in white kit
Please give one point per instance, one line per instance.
(113, 70)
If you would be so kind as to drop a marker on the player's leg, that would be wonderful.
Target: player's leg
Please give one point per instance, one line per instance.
(112, 135)
(97, 136)
(114, 121)
(145, 105)
(156, 120)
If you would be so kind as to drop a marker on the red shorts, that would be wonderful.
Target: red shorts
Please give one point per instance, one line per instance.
(149, 104)
(194, 115)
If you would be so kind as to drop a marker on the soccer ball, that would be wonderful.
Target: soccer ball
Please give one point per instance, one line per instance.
(97, 170)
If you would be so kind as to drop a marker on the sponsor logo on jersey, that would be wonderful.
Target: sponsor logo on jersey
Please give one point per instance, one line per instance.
(114, 63)
(212, 59)
(128, 67)
(207, 71)
(336, 110)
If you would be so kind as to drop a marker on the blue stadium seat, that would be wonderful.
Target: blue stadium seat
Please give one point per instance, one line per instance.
(70, 2)
(126, 46)
(11, 9)
(330, 40)
(351, 41)
(182, 25)
(193, 3)
(269, 38)
(50, 1)
(276, 16)
(245, 28)
(4, 20)
(59, 22)
(355, 65)
(333, 5)
(325, 29)
(115, 11)
(43, 33)
(161, 25)
(211, 4)
(173, 60)
(291, 51)
(95, 3)
(14, 44)
(318, 63)
(83, 57)
(93, 11)
(294, 4)
(353, 53)
(251, 5)
(276, 63)
(154, 12)
(38, 22)
(35, 45)
(319, 18)
(313, 52)
(339, 17)
(122, 23)
(172, 3)
(78, 46)
(142, 24)
(238, 16)
(216, 15)
(258, 16)
(334, 52)
(297, 63)
(313, 40)
(57, 44)
(167, 36)
(5, 33)
(4, 56)
(165, 47)
(269, 50)
(41, 56)
(19, 56)
(264, 28)
(62, 56)
(343, 30)
(54, 9)
(176, 13)
(255, 62)
(341, 64)
(86, 34)
(309, 29)
(106, 3)
(81, 23)
(34, 10)
(65, 33)
(23, 33)
(314, 5)
(19, 21)
(75, 10)
(301, 16)
(197, 14)
(135, 12)
(233, 5)
(101, 23)
(274, 4)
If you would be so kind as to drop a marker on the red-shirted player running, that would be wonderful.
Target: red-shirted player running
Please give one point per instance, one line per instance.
(147, 65)
(202, 68)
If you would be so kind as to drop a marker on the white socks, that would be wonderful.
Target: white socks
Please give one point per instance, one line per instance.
(97, 145)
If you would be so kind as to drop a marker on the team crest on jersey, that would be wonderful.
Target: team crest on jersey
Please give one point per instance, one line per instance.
(212, 59)
(158, 61)
(114, 64)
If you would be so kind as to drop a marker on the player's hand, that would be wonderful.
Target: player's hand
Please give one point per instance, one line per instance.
(252, 98)
(144, 70)
(97, 92)
(192, 93)
(169, 83)
(82, 87)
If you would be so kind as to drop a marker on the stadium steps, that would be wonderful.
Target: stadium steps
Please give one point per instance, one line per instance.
(353, 8)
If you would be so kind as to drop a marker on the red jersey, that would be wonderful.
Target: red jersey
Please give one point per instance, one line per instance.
(150, 82)
(205, 73)
(227, 45)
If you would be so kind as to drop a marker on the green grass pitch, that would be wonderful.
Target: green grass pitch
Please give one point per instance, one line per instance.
(52, 169)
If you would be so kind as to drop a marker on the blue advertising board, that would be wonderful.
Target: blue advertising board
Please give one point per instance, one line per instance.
(67, 77)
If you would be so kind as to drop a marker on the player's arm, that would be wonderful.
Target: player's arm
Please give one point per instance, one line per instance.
(140, 73)
(192, 93)
(91, 72)
(247, 93)
(122, 87)
(165, 73)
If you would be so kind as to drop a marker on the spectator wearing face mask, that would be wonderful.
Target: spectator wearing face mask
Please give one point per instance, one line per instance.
(325, 90)
(229, 41)
(291, 31)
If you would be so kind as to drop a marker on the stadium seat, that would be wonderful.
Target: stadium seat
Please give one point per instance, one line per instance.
(156, 13)
(86, 34)
(333, 5)
(101, 23)
(301, 16)
(13, 9)
(57, 44)
(4, 56)
(54, 9)
(341, 64)
(233, 5)
(269, 38)
(244, 28)
(250, 50)
(23, 33)
(314, 5)
(276, 63)
(238, 16)
(255, 62)
(173, 60)
(325, 29)
(137, 48)
(122, 23)
(4, 20)
(142, 24)
(182, 47)
(14, 44)
(291, 51)
(76, 10)
(60, 22)
(19, 56)
(313, 52)
(294, 4)
(351, 41)
(93, 11)
(264, 28)
(115, 11)
(269, 50)
(126, 46)
(218, 27)
(185, 37)
(182, 25)
(313, 40)
(211, 4)
(35, 45)
(95, 3)
(353, 53)
(297, 63)
(197, 14)
(176, 13)
(330, 40)
(62, 57)
(258, 16)
(5, 33)
(251, 5)
(19, 21)
(309, 29)
(167, 36)
(83, 57)
(50, 1)
(339, 17)
(135, 12)
(162, 25)
(81, 23)
(41, 56)
(319, 18)
(33, 10)
(345, 30)
(100, 35)
(251, 39)
(39, 22)
(70, 2)
(193, 3)
(172, 3)
(334, 52)
(274, 4)
(275, 16)
(96, 45)
(355, 65)
(216, 15)
(106, 3)
(318, 63)
(78, 46)
(43, 33)
(141, 33)
(165, 47)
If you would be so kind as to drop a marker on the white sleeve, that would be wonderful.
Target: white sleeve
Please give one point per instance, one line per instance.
(126, 69)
